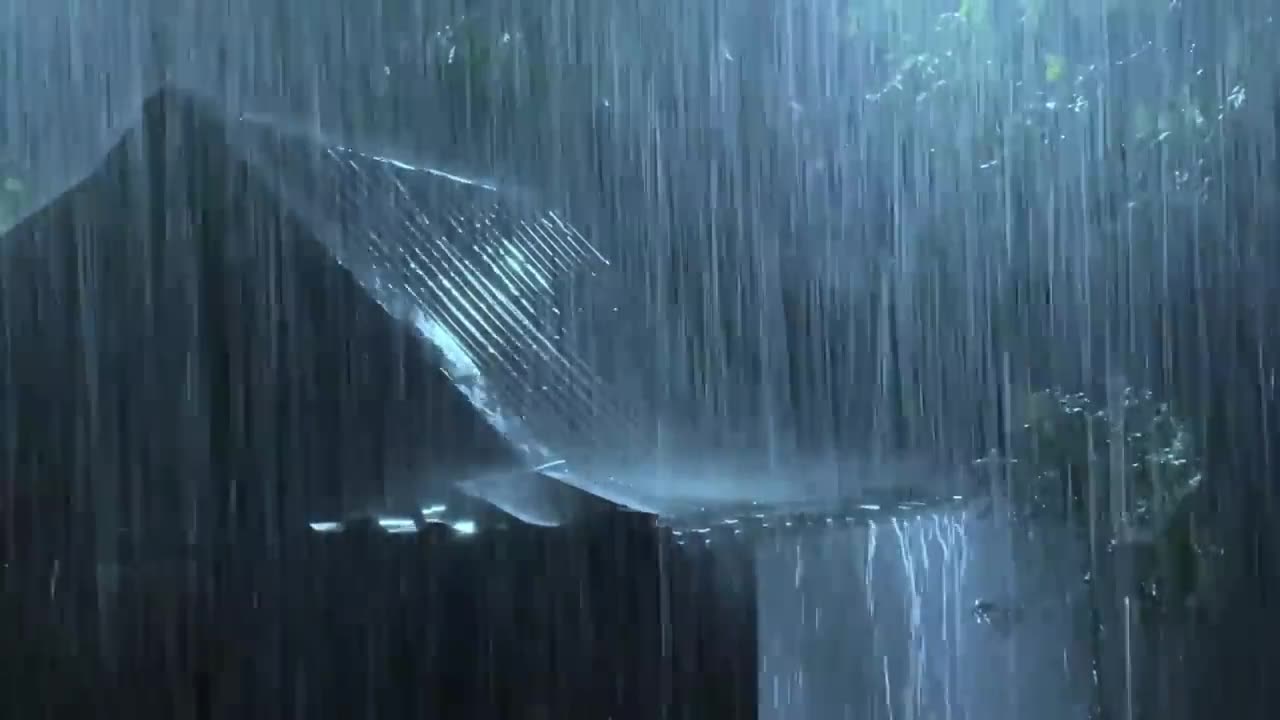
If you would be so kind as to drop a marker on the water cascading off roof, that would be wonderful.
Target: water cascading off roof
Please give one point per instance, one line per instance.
(885, 620)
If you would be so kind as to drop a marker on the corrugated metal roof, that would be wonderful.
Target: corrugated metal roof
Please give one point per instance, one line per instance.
(487, 276)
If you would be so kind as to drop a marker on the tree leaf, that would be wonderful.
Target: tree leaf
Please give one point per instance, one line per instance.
(1054, 67)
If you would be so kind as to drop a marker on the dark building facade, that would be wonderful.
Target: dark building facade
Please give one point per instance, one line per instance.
(193, 379)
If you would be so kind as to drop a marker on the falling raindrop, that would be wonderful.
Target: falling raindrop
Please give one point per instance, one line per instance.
(496, 359)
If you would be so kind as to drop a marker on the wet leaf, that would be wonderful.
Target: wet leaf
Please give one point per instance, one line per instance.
(1054, 67)
(1132, 464)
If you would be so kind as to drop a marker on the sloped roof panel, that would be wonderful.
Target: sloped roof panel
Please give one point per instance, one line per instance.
(511, 296)
(485, 275)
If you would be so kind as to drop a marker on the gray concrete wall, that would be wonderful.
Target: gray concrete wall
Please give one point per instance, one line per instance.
(880, 623)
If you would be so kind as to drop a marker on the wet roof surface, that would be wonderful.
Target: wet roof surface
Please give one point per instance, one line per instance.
(509, 294)
(501, 288)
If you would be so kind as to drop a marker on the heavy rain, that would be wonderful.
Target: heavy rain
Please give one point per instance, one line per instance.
(778, 359)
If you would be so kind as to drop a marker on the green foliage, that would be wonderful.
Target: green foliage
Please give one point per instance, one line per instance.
(1126, 475)
(1130, 460)
(1004, 68)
